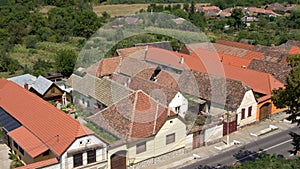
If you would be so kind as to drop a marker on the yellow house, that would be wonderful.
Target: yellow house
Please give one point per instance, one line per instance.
(148, 131)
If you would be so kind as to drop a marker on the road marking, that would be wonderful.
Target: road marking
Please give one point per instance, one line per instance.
(276, 145)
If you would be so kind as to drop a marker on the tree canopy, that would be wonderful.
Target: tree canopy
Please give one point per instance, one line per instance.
(290, 97)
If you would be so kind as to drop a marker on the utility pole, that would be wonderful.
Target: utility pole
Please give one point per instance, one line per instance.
(227, 127)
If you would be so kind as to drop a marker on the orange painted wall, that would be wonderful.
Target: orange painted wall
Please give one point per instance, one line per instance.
(274, 109)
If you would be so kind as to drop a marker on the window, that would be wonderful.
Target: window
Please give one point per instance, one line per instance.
(249, 111)
(21, 150)
(177, 109)
(16, 145)
(243, 114)
(77, 160)
(82, 100)
(141, 147)
(91, 156)
(170, 138)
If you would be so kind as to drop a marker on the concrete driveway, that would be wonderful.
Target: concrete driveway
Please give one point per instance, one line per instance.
(4, 161)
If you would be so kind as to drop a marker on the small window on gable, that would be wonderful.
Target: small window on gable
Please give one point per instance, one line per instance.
(177, 109)
(170, 138)
(80, 142)
(141, 147)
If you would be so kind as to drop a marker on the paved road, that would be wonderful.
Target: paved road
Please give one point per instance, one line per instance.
(278, 143)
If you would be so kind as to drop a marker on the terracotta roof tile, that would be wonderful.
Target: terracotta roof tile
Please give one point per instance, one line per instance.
(40, 164)
(278, 70)
(53, 127)
(133, 52)
(30, 143)
(134, 117)
(158, 92)
(294, 50)
(105, 66)
(213, 88)
(234, 60)
(163, 45)
(236, 44)
(132, 66)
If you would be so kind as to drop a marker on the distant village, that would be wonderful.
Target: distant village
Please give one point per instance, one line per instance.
(153, 102)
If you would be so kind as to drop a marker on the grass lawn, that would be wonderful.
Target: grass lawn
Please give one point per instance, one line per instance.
(105, 135)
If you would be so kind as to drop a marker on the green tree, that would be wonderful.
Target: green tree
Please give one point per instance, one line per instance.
(65, 61)
(237, 15)
(290, 96)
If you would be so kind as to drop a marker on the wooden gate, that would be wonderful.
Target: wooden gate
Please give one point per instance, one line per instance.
(264, 111)
(118, 160)
(232, 126)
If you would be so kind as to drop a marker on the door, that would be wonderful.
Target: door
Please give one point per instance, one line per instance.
(264, 111)
(232, 126)
(198, 139)
(118, 160)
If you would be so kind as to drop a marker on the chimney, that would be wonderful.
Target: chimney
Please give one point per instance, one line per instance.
(26, 86)
(181, 60)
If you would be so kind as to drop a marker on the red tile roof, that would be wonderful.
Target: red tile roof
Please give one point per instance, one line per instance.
(236, 44)
(53, 127)
(258, 81)
(233, 60)
(137, 116)
(40, 164)
(294, 50)
(261, 10)
(30, 143)
(105, 66)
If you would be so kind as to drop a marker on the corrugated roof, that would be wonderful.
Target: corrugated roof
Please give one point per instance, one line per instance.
(53, 127)
(41, 85)
(104, 90)
(22, 79)
(30, 143)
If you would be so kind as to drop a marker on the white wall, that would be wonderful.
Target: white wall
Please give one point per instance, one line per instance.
(213, 133)
(179, 100)
(248, 100)
(101, 153)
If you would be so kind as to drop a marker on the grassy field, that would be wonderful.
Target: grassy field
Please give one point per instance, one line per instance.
(119, 10)
(123, 9)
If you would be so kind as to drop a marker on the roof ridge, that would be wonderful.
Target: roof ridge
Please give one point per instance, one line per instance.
(133, 114)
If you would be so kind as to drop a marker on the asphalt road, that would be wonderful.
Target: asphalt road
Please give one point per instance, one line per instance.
(279, 143)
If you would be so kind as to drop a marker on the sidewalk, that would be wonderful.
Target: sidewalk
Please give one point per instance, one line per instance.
(242, 135)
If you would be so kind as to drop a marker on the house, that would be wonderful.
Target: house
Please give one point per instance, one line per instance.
(42, 136)
(209, 11)
(105, 67)
(166, 96)
(148, 131)
(223, 96)
(253, 11)
(163, 45)
(46, 89)
(96, 93)
(25, 81)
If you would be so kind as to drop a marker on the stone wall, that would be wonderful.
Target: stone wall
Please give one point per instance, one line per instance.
(158, 159)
